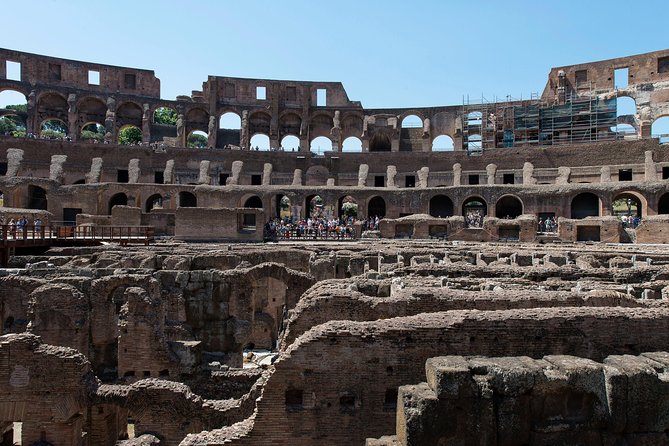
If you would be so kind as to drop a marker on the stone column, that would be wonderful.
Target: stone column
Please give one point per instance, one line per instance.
(14, 160)
(650, 169)
(72, 127)
(146, 124)
(133, 171)
(457, 174)
(491, 171)
(363, 171)
(168, 174)
(56, 169)
(96, 170)
(204, 177)
(391, 172)
(267, 174)
(423, 177)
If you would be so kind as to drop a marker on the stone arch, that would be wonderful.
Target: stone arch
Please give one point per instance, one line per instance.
(155, 201)
(629, 203)
(229, 129)
(416, 113)
(129, 113)
(443, 143)
(91, 108)
(351, 125)
(253, 201)
(411, 121)
(260, 122)
(320, 125)
(13, 121)
(508, 206)
(320, 145)
(283, 206)
(585, 204)
(12, 96)
(92, 131)
(316, 176)
(52, 105)
(314, 205)
(197, 139)
(380, 142)
(187, 199)
(376, 207)
(197, 118)
(37, 198)
(260, 141)
(352, 144)
(129, 134)
(290, 143)
(441, 206)
(342, 202)
(660, 129)
(165, 115)
(474, 205)
(53, 128)
(119, 199)
(290, 123)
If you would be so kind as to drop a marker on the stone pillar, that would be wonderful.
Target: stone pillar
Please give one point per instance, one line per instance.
(423, 177)
(491, 171)
(267, 174)
(650, 169)
(563, 175)
(133, 171)
(32, 120)
(146, 123)
(96, 170)
(335, 132)
(236, 171)
(605, 174)
(72, 127)
(56, 168)
(244, 139)
(204, 177)
(528, 172)
(212, 132)
(363, 171)
(181, 131)
(110, 120)
(297, 177)
(168, 174)
(391, 172)
(457, 174)
(14, 160)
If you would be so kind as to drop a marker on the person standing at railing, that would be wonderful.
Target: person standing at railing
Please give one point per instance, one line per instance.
(12, 227)
(38, 228)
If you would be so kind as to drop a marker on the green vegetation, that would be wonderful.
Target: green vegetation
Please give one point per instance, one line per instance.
(165, 116)
(129, 135)
(349, 209)
(196, 141)
(93, 132)
(13, 124)
(53, 128)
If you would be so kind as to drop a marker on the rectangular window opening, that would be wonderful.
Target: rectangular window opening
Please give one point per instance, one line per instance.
(410, 181)
(665, 172)
(158, 177)
(223, 178)
(379, 181)
(291, 93)
(256, 180)
(625, 175)
(122, 176)
(3, 168)
(261, 93)
(581, 76)
(93, 77)
(321, 97)
(663, 64)
(13, 70)
(130, 81)
(473, 179)
(509, 178)
(621, 77)
(54, 72)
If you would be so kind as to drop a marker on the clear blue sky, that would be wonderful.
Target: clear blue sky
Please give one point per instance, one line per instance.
(386, 53)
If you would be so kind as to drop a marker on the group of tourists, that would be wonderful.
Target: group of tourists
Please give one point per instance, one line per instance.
(20, 227)
(548, 224)
(371, 223)
(630, 221)
(328, 228)
(474, 218)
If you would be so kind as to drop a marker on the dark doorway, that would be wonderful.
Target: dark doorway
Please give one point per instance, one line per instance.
(585, 205)
(441, 206)
(376, 207)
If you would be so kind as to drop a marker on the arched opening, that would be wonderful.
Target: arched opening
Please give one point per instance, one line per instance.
(441, 206)
(187, 200)
(474, 143)
(283, 207)
(165, 116)
(119, 199)
(197, 139)
(53, 129)
(315, 206)
(155, 201)
(92, 132)
(443, 143)
(412, 122)
(37, 198)
(380, 142)
(230, 130)
(129, 135)
(351, 144)
(290, 143)
(348, 208)
(508, 207)
(376, 207)
(253, 202)
(474, 209)
(13, 108)
(663, 204)
(321, 145)
(627, 207)
(660, 129)
(625, 106)
(585, 205)
(260, 142)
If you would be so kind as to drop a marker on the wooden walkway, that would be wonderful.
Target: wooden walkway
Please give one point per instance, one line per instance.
(30, 236)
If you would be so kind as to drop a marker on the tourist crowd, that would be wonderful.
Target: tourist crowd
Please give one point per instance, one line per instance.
(474, 219)
(548, 224)
(21, 227)
(331, 228)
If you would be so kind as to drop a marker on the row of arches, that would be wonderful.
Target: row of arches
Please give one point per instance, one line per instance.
(185, 200)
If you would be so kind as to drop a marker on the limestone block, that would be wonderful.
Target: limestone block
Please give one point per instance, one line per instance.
(204, 177)
(133, 171)
(168, 175)
(297, 177)
(267, 174)
(563, 175)
(236, 170)
(56, 168)
(363, 171)
(330, 182)
(391, 172)
(491, 171)
(650, 169)
(96, 170)
(457, 174)
(605, 174)
(423, 175)
(528, 172)
(14, 158)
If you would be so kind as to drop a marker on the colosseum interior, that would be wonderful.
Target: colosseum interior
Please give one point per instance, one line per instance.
(489, 273)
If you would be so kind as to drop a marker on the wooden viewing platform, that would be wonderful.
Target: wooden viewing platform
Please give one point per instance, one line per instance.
(31, 236)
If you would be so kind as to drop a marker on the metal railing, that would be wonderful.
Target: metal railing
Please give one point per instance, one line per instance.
(314, 234)
(43, 233)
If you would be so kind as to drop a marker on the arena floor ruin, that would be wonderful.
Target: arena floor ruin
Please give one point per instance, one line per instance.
(459, 320)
